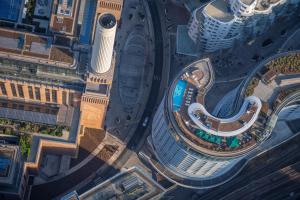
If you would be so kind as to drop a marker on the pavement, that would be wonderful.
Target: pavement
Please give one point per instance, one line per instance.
(91, 168)
(126, 120)
(129, 157)
(134, 71)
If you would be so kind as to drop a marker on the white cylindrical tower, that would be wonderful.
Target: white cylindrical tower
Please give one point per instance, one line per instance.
(104, 43)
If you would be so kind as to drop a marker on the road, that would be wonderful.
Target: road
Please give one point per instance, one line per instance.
(140, 136)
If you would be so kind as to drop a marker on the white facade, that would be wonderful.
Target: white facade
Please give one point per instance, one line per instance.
(219, 24)
(194, 107)
(104, 43)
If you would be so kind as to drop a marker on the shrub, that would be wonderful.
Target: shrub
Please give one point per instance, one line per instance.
(24, 143)
(251, 86)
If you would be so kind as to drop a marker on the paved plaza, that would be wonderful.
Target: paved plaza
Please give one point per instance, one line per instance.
(134, 70)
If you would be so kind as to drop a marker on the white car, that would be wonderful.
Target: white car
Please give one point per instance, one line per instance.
(145, 121)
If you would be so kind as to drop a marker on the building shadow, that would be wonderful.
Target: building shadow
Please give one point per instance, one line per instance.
(88, 144)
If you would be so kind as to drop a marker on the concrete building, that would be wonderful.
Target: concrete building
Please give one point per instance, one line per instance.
(196, 149)
(132, 183)
(103, 43)
(219, 24)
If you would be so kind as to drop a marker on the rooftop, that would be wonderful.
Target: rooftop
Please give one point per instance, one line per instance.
(129, 184)
(220, 10)
(63, 18)
(34, 48)
(208, 133)
(107, 20)
(263, 5)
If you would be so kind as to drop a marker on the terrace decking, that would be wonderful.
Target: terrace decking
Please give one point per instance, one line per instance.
(191, 88)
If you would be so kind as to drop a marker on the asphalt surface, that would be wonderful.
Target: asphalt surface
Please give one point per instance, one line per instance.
(139, 136)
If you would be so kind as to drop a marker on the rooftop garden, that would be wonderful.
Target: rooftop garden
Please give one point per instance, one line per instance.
(231, 142)
(289, 64)
(11, 127)
(25, 141)
(251, 86)
(286, 65)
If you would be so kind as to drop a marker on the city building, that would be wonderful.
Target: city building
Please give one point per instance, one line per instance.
(48, 92)
(220, 24)
(104, 43)
(196, 149)
(131, 183)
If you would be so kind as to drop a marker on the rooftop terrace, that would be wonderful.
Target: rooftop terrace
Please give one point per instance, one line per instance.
(267, 88)
(35, 48)
(220, 10)
(205, 132)
(263, 5)
(63, 18)
(129, 184)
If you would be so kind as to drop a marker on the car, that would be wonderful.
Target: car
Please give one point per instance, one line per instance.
(145, 121)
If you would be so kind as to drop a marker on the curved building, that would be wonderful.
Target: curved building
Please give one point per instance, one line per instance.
(214, 26)
(199, 150)
(220, 23)
(104, 43)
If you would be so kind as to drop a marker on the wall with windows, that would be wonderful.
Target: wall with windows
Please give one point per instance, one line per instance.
(37, 93)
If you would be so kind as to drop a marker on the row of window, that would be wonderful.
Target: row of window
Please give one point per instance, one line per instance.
(34, 93)
(110, 5)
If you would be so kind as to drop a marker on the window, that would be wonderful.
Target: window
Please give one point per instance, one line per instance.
(54, 96)
(20, 90)
(3, 89)
(13, 89)
(30, 91)
(47, 92)
(64, 97)
(37, 93)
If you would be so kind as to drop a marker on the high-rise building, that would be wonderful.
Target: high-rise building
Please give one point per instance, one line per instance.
(197, 149)
(220, 23)
(103, 43)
